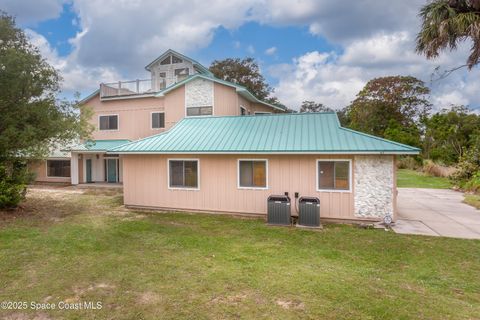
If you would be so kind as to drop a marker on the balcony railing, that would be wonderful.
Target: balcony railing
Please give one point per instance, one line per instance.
(136, 87)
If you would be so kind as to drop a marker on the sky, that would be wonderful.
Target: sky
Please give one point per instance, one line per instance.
(320, 50)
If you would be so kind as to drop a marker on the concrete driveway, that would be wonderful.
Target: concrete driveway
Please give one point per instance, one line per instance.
(436, 212)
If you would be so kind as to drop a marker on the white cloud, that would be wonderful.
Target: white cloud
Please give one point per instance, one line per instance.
(375, 38)
(335, 80)
(271, 51)
(29, 12)
(75, 77)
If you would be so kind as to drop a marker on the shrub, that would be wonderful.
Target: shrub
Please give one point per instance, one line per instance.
(408, 162)
(467, 174)
(437, 170)
(14, 178)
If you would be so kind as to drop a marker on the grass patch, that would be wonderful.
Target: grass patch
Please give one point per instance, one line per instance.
(473, 200)
(414, 179)
(147, 265)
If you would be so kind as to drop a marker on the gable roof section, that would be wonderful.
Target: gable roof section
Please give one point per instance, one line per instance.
(241, 90)
(314, 133)
(195, 63)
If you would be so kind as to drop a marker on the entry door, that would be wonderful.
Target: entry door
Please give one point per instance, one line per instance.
(112, 170)
(89, 170)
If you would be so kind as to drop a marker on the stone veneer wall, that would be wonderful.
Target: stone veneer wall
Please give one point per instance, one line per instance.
(373, 186)
(199, 93)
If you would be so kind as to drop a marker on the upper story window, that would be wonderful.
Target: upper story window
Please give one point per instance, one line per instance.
(183, 173)
(243, 111)
(58, 168)
(176, 59)
(199, 111)
(109, 122)
(181, 73)
(252, 174)
(158, 120)
(171, 59)
(333, 175)
(261, 112)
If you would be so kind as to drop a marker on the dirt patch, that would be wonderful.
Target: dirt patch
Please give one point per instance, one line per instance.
(290, 304)
(231, 299)
(149, 297)
(79, 292)
(23, 316)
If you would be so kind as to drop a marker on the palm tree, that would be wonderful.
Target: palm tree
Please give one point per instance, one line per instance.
(446, 23)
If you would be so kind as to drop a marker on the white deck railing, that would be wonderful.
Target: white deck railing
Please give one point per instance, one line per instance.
(136, 87)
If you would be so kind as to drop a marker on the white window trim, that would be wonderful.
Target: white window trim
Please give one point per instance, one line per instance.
(183, 188)
(57, 159)
(252, 188)
(349, 190)
(106, 115)
(261, 112)
(151, 120)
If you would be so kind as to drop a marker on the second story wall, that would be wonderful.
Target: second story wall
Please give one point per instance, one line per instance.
(134, 117)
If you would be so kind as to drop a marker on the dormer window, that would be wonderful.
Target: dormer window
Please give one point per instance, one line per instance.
(167, 60)
(181, 74)
(171, 59)
(176, 59)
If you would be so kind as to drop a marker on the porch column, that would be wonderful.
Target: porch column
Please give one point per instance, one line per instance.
(74, 168)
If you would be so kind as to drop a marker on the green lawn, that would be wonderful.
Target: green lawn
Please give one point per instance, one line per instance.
(473, 200)
(413, 179)
(86, 247)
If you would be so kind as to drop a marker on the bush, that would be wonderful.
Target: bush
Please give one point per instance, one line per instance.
(408, 162)
(473, 184)
(14, 178)
(437, 170)
(467, 175)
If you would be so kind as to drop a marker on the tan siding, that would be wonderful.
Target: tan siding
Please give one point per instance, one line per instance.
(225, 101)
(135, 114)
(174, 106)
(145, 184)
(39, 168)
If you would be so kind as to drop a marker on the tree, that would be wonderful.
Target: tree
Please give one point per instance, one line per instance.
(450, 133)
(312, 106)
(390, 103)
(244, 72)
(446, 23)
(32, 120)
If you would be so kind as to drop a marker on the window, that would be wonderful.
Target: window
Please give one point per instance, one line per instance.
(259, 112)
(181, 74)
(333, 175)
(166, 60)
(158, 120)
(183, 174)
(252, 174)
(109, 122)
(58, 168)
(176, 59)
(243, 111)
(199, 111)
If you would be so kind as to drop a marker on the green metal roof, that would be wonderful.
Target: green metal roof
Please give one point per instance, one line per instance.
(276, 133)
(98, 145)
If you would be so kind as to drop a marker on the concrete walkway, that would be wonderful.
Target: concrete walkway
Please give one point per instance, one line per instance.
(436, 212)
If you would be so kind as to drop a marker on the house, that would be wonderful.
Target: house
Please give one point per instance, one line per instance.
(185, 140)
(124, 111)
(233, 163)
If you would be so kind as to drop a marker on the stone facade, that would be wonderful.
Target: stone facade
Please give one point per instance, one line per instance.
(199, 93)
(373, 186)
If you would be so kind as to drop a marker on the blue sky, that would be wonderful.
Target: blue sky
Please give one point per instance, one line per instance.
(319, 50)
